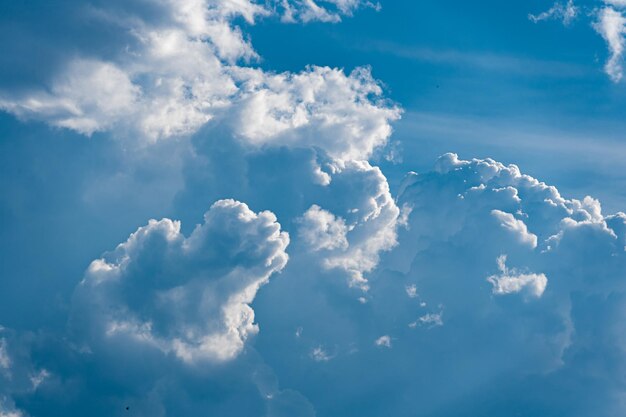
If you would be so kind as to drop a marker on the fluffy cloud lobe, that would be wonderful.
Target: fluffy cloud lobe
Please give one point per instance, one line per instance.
(183, 64)
(361, 225)
(185, 296)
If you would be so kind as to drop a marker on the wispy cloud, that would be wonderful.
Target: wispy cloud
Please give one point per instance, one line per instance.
(480, 60)
(611, 25)
(565, 12)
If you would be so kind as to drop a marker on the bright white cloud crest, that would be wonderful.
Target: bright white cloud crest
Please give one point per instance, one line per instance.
(362, 224)
(186, 296)
(183, 70)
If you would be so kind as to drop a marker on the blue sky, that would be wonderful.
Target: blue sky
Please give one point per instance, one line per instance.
(312, 208)
(487, 69)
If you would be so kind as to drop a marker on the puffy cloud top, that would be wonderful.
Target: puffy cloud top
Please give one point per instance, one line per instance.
(362, 221)
(315, 108)
(185, 296)
(183, 64)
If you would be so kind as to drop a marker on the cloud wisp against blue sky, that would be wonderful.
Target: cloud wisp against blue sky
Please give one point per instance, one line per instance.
(296, 208)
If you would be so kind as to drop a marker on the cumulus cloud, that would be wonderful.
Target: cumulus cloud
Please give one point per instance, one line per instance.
(314, 108)
(359, 193)
(186, 296)
(186, 66)
(484, 335)
(166, 319)
(90, 96)
(515, 226)
(320, 229)
(565, 12)
(510, 281)
(561, 248)
(611, 25)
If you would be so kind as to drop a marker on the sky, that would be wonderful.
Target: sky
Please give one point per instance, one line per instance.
(296, 208)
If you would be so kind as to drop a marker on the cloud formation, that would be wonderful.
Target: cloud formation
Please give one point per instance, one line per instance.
(474, 286)
(184, 63)
(565, 12)
(511, 281)
(611, 25)
(306, 11)
(189, 297)
(362, 223)
(497, 283)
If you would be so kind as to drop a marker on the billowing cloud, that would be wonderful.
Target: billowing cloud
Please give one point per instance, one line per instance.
(515, 226)
(91, 96)
(489, 285)
(185, 296)
(361, 224)
(183, 64)
(314, 108)
(549, 251)
(320, 230)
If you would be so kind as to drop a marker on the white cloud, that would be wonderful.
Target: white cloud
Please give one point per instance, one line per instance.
(293, 11)
(177, 72)
(383, 341)
(515, 226)
(369, 219)
(611, 24)
(510, 281)
(314, 108)
(565, 12)
(321, 230)
(186, 296)
(89, 96)
(430, 320)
